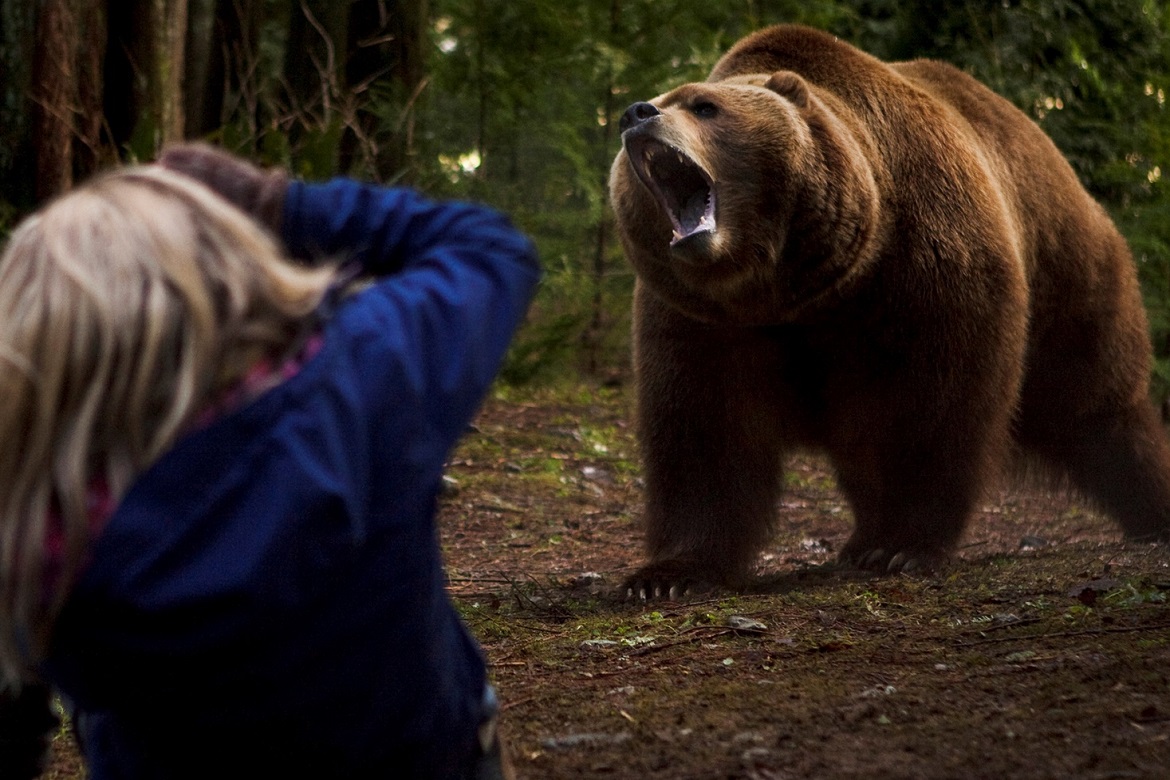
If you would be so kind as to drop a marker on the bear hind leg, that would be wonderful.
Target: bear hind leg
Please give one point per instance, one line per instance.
(1120, 461)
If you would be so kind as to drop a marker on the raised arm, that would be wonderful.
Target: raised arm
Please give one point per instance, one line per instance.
(387, 229)
(457, 280)
(457, 277)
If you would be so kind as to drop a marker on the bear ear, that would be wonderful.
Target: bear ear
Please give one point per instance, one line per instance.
(789, 85)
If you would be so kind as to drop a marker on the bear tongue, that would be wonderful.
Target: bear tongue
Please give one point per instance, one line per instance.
(684, 190)
(695, 216)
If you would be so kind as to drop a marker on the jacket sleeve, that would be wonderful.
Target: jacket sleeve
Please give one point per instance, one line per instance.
(388, 228)
(456, 281)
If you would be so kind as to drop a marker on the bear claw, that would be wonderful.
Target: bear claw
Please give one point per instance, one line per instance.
(902, 562)
(653, 591)
(662, 581)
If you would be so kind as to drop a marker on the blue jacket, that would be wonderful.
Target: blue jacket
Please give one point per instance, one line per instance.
(268, 598)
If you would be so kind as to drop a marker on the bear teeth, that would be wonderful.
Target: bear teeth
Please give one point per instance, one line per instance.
(683, 189)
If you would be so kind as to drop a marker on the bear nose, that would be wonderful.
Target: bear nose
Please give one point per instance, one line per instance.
(636, 115)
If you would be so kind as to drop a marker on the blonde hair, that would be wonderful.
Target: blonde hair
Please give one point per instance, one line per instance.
(125, 306)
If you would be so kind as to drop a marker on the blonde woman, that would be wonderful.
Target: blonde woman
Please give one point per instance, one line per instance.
(218, 476)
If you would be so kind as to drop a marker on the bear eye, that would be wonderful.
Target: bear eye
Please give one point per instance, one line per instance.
(705, 109)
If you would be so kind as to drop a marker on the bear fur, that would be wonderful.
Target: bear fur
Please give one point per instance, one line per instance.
(885, 262)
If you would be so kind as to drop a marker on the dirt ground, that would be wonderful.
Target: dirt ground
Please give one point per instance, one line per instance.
(1041, 651)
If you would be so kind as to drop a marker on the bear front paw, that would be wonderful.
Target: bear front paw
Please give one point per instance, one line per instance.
(669, 580)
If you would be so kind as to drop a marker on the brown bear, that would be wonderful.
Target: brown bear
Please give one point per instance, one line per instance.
(885, 262)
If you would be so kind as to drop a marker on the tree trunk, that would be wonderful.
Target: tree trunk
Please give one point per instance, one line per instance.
(144, 74)
(592, 336)
(17, 156)
(410, 73)
(314, 82)
(170, 55)
(234, 92)
(54, 93)
(387, 45)
(92, 149)
(66, 93)
(203, 101)
(128, 96)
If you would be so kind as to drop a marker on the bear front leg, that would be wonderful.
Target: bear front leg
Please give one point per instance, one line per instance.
(711, 487)
(913, 471)
(711, 451)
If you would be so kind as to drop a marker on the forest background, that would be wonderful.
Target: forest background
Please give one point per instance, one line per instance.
(515, 103)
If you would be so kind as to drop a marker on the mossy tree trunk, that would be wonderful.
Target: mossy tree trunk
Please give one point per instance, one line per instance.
(315, 84)
(144, 102)
(203, 100)
(387, 58)
(170, 36)
(66, 93)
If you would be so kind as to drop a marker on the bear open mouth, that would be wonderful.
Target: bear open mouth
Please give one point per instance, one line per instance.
(682, 187)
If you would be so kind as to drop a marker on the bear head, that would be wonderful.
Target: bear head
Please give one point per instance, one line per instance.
(745, 200)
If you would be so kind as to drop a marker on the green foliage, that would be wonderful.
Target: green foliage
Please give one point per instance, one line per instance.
(1091, 72)
(519, 101)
